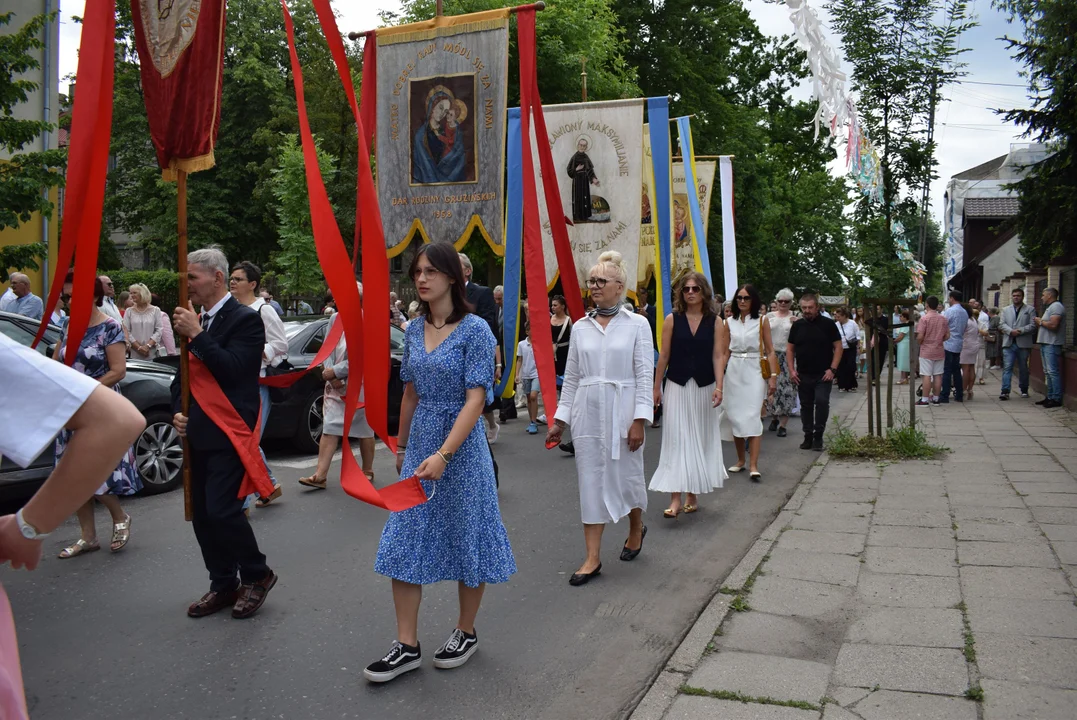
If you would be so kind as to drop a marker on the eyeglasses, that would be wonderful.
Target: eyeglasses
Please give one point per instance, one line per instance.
(597, 282)
(237, 279)
(744, 298)
(428, 272)
(688, 289)
(784, 302)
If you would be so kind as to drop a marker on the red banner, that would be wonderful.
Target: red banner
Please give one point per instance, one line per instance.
(181, 57)
(534, 264)
(87, 166)
(341, 280)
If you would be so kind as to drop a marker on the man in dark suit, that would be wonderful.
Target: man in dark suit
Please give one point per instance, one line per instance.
(482, 299)
(229, 339)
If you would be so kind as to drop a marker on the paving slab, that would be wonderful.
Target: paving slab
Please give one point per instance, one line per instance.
(1006, 499)
(1068, 500)
(747, 565)
(990, 486)
(913, 518)
(904, 490)
(687, 655)
(1041, 618)
(911, 561)
(1043, 486)
(840, 468)
(911, 537)
(837, 712)
(891, 705)
(1012, 554)
(1029, 463)
(841, 483)
(819, 541)
(847, 495)
(814, 566)
(687, 707)
(1067, 552)
(836, 509)
(841, 523)
(940, 671)
(1051, 477)
(1016, 583)
(847, 696)
(1024, 701)
(913, 591)
(800, 598)
(1046, 661)
(1059, 533)
(979, 513)
(1055, 516)
(912, 502)
(759, 675)
(998, 531)
(923, 627)
(793, 637)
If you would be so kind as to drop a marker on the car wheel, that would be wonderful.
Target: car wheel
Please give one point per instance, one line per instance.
(309, 433)
(159, 455)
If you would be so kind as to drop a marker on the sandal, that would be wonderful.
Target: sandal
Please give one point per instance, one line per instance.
(78, 548)
(121, 533)
(689, 509)
(736, 468)
(671, 514)
(314, 482)
(264, 501)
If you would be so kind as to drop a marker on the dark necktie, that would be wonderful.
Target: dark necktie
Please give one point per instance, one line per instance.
(206, 317)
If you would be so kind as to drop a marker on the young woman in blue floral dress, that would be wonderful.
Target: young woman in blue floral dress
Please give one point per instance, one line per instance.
(448, 374)
(102, 356)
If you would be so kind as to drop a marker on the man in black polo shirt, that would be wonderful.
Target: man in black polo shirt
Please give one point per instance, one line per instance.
(816, 344)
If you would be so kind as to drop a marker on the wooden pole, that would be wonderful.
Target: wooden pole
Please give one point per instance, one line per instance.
(583, 78)
(537, 6)
(877, 387)
(438, 9)
(891, 360)
(870, 340)
(185, 372)
(914, 363)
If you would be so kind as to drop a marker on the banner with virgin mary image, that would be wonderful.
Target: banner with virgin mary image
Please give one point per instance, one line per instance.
(684, 255)
(598, 152)
(440, 141)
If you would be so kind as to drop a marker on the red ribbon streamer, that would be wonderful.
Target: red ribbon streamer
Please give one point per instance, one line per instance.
(87, 166)
(534, 264)
(220, 410)
(341, 280)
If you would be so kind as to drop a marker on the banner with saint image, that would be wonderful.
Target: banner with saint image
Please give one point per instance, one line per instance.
(441, 101)
(598, 152)
(684, 255)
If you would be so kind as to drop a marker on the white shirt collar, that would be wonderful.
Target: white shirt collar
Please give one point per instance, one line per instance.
(212, 312)
(257, 304)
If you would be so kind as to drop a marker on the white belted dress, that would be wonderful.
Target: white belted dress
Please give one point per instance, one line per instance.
(608, 384)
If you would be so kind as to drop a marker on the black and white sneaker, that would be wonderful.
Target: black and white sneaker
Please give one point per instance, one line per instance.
(457, 649)
(400, 659)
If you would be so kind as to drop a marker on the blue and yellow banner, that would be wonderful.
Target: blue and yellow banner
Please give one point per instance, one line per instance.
(696, 228)
(514, 235)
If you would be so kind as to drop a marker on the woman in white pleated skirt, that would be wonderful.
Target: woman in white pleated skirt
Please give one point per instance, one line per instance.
(691, 367)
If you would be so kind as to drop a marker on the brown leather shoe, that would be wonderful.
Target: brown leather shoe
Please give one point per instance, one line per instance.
(252, 596)
(212, 602)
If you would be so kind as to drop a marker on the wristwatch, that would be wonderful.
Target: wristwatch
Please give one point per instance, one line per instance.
(445, 455)
(28, 531)
(834, 370)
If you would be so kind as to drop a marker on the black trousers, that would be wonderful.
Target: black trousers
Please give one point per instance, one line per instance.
(223, 532)
(847, 370)
(814, 403)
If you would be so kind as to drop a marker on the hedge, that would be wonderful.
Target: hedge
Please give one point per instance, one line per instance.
(162, 282)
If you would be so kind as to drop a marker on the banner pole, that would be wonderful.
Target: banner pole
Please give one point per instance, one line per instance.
(536, 6)
(185, 369)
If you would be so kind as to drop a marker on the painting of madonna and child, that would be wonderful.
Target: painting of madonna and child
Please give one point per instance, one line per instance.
(442, 121)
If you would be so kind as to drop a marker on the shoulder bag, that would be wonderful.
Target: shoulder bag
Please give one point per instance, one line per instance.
(764, 363)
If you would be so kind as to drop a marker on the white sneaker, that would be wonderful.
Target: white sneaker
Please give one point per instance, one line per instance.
(493, 432)
(542, 418)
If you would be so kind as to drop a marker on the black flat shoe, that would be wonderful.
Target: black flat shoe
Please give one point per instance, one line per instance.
(782, 432)
(578, 579)
(774, 424)
(627, 554)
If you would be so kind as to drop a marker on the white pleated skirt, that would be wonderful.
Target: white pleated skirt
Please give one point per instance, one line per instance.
(691, 456)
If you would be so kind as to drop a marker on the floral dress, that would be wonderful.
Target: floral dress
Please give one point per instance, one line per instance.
(457, 534)
(92, 361)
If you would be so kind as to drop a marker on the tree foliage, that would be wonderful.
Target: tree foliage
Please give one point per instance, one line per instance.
(1048, 50)
(25, 177)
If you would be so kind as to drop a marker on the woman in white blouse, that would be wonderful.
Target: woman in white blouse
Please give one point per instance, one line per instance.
(142, 324)
(850, 343)
(245, 286)
(606, 398)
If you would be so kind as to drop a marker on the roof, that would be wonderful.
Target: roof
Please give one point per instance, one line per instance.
(981, 172)
(991, 207)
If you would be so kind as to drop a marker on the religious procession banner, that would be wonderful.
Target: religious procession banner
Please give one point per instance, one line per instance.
(441, 104)
(684, 255)
(648, 227)
(598, 152)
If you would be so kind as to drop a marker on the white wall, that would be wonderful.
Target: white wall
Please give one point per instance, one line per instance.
(1001, 263)
(34, 107)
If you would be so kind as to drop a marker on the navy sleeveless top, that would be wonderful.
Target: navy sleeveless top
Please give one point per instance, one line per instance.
(691, 356)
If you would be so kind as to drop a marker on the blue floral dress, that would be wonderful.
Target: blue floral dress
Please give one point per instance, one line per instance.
(92, 361)
(458, 533)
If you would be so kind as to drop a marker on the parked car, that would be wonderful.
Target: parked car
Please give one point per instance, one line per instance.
(158, 451)
(297, 414)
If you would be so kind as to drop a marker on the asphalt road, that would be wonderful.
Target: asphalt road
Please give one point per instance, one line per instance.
(106, 636)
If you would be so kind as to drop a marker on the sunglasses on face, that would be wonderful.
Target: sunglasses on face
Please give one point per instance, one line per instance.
(784, 302)
(692, 289)
(744, 298)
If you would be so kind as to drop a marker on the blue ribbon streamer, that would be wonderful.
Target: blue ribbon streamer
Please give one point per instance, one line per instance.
(692, 191)
(514, 236)
(662, 159)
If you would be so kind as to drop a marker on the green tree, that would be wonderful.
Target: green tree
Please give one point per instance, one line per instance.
(902, 53)
(25, 177)
(1048, 213)
(296, 265)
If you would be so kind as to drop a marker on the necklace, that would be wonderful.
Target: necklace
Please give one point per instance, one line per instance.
(436, 326)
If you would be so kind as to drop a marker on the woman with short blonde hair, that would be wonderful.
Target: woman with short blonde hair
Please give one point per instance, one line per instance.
(142, 324)
(784, 401)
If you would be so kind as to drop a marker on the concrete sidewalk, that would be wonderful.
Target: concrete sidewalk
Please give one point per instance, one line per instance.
(937, 590)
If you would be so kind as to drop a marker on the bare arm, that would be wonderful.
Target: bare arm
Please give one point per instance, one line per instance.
(116, 353)
(719, 357)
(432, 467)
(663, 358)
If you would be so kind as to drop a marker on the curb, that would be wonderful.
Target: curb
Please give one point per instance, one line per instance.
(658, 699)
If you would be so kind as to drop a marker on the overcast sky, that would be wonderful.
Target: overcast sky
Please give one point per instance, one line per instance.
(968, 133)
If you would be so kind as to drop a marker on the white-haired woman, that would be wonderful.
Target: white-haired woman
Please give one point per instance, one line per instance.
(142, 324)
(784, 401)
(606, 398)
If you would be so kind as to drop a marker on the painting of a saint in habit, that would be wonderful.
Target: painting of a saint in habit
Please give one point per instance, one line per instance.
(439, 151)
(582, 172)
(680, 220)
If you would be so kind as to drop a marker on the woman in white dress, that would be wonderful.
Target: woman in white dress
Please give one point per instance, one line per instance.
(694, 348)
(784, 401)
(606, 398)
(745, 388)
